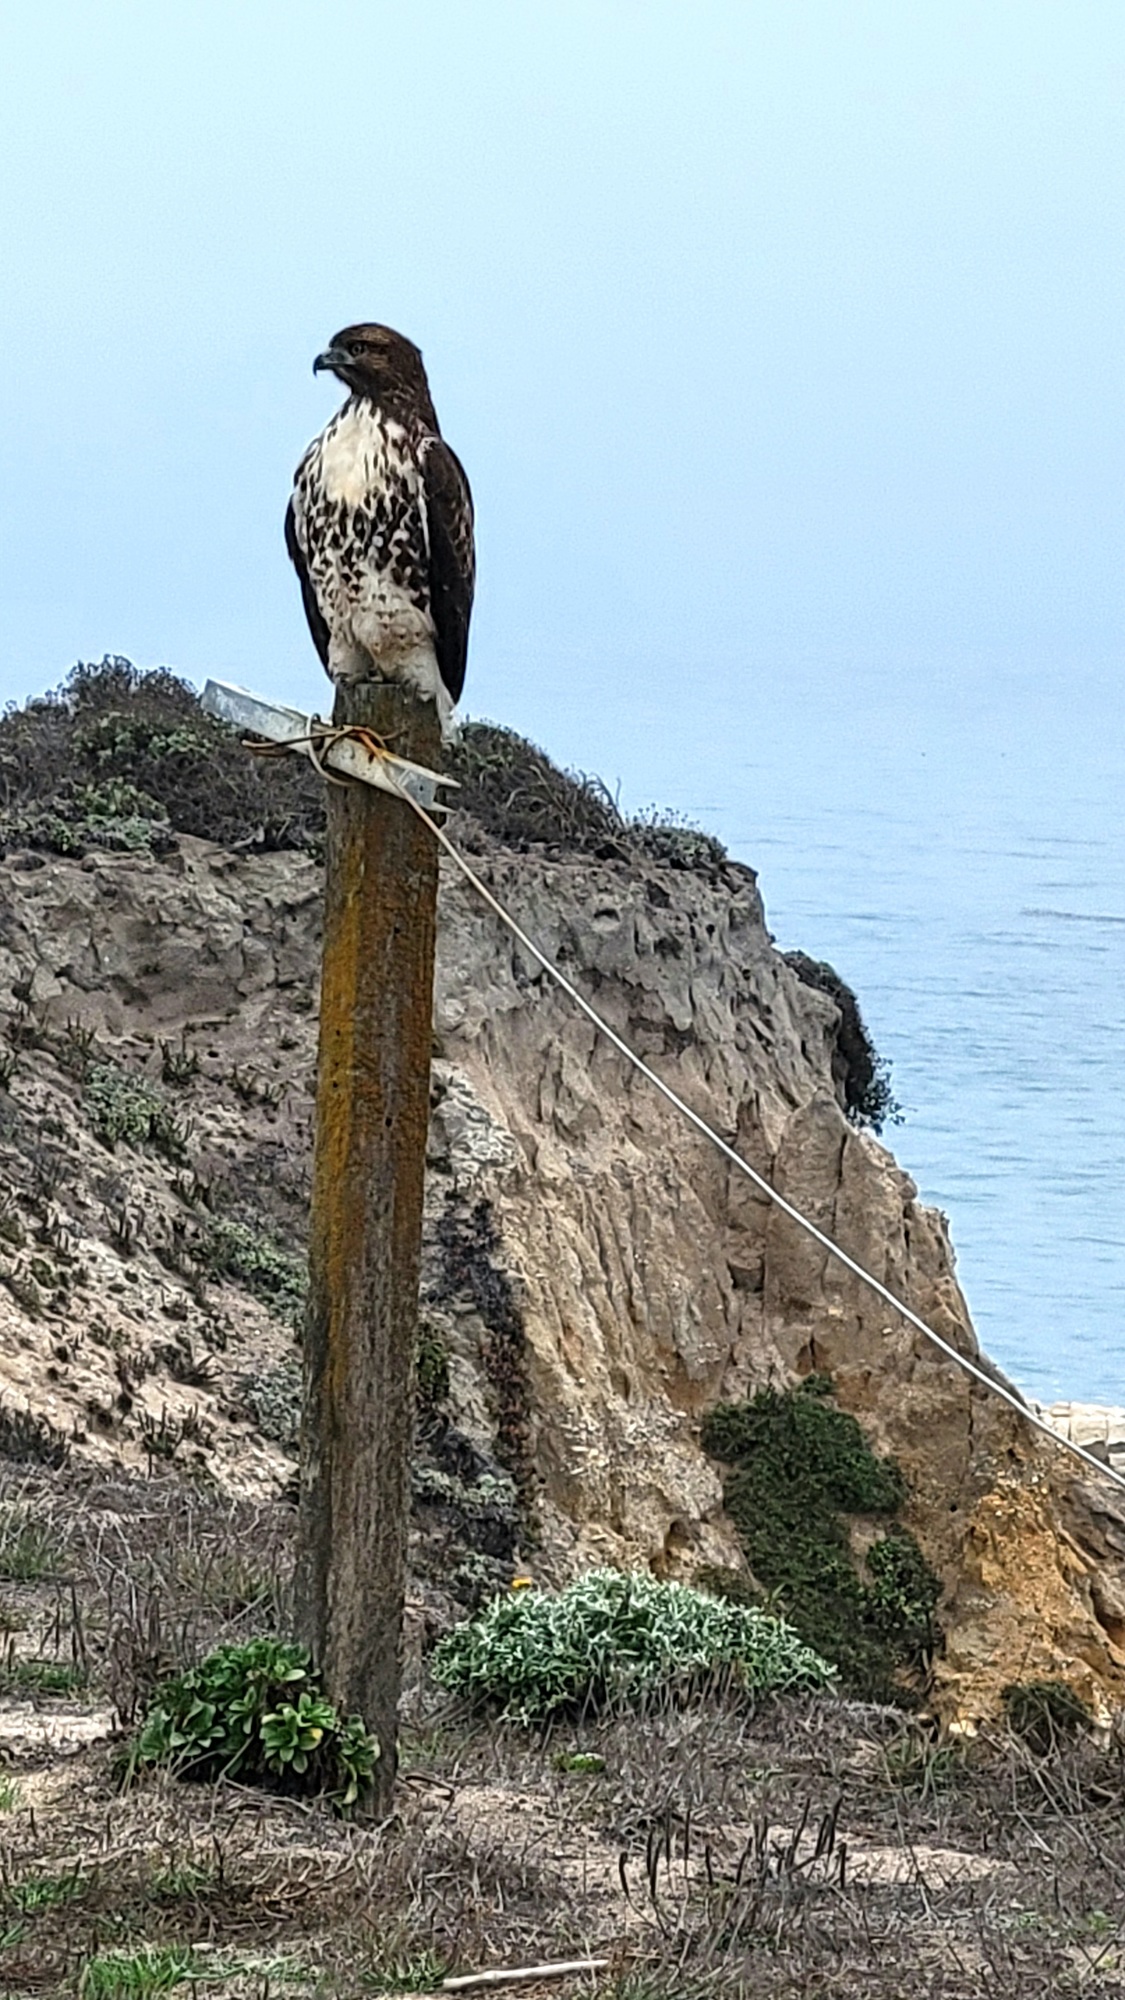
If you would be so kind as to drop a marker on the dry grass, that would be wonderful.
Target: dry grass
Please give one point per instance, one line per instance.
(803, 1849)
(515, 793)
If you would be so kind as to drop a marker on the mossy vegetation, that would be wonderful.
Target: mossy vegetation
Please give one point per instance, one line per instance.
(800, 1470)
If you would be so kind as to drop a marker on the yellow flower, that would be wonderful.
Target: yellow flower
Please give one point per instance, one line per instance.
(522, 1582)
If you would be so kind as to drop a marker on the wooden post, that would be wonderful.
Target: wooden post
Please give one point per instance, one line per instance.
(372, 1110)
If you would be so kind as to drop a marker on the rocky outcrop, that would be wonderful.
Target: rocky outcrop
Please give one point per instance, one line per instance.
(1098, 1427)
(596, 1277)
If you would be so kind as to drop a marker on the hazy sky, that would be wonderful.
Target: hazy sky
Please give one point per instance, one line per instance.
(773, 336)
(782, 340)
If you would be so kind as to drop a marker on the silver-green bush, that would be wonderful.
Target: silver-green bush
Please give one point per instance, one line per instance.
(609, 1636)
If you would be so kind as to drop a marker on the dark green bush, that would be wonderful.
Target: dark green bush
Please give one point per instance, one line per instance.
(861, 1073)
(518, 795)
(120, 757)
(431, 1366)
(669, 837)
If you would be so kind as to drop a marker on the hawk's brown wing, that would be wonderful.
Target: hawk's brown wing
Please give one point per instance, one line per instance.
(449, 511)
(313, 612)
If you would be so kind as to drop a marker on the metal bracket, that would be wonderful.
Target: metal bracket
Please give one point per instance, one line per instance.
(313, 738)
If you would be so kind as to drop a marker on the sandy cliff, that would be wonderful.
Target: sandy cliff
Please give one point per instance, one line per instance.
(595, 1277)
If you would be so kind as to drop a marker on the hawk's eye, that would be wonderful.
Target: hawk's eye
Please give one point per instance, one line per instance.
(361, 347)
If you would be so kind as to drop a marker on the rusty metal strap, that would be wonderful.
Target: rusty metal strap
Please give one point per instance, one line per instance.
(339, 754)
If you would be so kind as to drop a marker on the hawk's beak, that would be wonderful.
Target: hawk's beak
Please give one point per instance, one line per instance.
(332, 359)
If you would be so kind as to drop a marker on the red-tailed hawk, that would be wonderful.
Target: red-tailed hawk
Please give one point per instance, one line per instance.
(380, 526)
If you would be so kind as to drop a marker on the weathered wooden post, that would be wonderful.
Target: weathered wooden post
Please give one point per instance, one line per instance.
(372, 1108)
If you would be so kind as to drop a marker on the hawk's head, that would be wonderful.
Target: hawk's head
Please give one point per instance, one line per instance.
(374, 361)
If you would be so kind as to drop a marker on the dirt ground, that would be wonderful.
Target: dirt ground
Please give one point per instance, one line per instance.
(806, 1848)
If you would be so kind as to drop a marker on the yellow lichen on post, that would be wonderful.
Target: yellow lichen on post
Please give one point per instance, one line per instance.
(365, 1237)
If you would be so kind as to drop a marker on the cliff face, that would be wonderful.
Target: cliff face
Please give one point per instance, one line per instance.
(595, 1276)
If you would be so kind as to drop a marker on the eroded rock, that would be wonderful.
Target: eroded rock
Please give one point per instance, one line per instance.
(627, 1277)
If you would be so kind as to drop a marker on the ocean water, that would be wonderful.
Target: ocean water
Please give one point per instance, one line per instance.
(951, 836)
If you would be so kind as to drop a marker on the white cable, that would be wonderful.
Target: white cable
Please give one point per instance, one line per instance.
(970, 1367)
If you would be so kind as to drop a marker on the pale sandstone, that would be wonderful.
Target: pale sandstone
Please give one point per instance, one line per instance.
(652, 1279)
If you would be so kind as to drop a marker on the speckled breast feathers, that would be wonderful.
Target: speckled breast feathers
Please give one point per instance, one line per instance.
(380, 528)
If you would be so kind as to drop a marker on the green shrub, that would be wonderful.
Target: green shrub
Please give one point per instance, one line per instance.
(799, 1468)
(903, 1592)
(257, 1712)
(517, 794)
(33, 1676)
(126, 1107)
(663, 834)
(29, 1547)
(122, 757)
(1044, 1713)
(272, 1400)
(84, 816)
(513, 790)
(608, 1636)
(579, 1763)
(140, 1974)
(116, 813)
(275, 1277)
